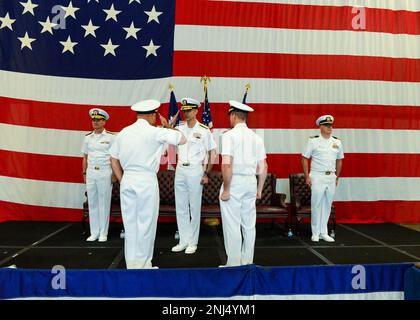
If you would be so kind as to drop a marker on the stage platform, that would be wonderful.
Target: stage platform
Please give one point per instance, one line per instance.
(42, 245)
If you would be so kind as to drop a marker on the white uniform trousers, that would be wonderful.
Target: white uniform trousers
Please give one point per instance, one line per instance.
(140, 210)
(188, 192)
(99, 191)
(322, 194)
(238, 220)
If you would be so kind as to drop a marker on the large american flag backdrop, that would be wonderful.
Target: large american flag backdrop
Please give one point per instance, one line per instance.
(302, 58)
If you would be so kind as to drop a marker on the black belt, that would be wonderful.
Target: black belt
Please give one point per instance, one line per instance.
(99, 167)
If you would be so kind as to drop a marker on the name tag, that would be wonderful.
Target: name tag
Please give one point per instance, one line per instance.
(106, 142)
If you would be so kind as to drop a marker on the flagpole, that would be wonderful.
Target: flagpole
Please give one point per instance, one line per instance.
(206, 81)
(247, 87)
(212, 222)
(171, 153)
(206, 117)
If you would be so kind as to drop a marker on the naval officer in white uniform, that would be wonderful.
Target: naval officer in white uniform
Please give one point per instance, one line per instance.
(195, 161)
(243, 157)
(326, 154)
(135, 158)
(97, 174)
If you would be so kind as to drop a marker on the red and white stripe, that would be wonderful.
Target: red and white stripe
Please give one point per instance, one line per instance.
(302, 59)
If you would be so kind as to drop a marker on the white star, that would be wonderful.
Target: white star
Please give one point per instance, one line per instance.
(90, 29)
(7, 22)
(111, 13)
(138, 1)
(70, 10)
(153, 15)
(28, 7)
(109, 48)
(26, 41)
(68, 45)
(151, 49)
(95, 0)
(47, 26)
(131, 31)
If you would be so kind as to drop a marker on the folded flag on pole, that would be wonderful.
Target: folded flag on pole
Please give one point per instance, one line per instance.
(173, 107)
(207, 121)
(173, 110)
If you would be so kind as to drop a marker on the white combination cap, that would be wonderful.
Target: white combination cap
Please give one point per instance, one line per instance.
(189, 103)
(326, 119)
(235, 105)
(146, 106)
(97, 113)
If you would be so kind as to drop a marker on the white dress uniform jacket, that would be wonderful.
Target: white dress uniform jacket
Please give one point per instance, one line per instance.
(138, 147)
(323, 154)
(188, 187)
(98, 180)
(239, 212)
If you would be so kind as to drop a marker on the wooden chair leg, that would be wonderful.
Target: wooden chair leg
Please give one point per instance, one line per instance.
(288, 228)
(84, 218)
(297, 226)
(333, 227)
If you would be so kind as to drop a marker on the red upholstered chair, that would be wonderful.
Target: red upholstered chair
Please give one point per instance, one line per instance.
(272, 205)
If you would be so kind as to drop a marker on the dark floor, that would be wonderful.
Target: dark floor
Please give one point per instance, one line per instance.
(41, 245)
